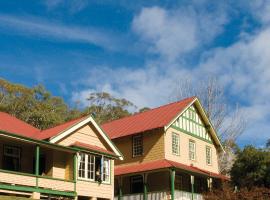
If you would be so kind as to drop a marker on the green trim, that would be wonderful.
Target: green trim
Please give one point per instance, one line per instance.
(191, 134)
(192, 189)
(120, 193)
(145, 191)
(41, 142)
(94, 152)
(40, 190)
(37, 164)
(75, 170)
(172, 183)
(193, 121)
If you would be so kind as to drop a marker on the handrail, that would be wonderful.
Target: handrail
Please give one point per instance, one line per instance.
(33, 175)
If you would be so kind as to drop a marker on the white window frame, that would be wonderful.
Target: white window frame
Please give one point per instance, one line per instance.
(208, 157)
(136, 145)
(106, 172)
(192, 150)
(87, 167)
(90, 167)
(175, 141)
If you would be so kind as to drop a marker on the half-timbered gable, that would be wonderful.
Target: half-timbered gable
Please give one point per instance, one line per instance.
(191, 122)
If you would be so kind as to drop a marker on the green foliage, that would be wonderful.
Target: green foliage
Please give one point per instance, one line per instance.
(251, 168)
(35, 105)
(106, 108)
(268, 144)
(144, 109)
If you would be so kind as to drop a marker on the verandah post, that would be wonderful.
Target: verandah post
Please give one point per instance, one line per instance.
(145, 187)
(37, 164)
(192, 186)
(172, 183)
(120, 188)
(75, 170)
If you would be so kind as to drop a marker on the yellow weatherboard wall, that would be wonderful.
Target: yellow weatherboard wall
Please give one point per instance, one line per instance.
(153, 148)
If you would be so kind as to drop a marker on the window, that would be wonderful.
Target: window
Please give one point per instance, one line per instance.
(175, 144)
(12, 158)
(106, 170)
(192, 150)
(90, 168)
(208, 155)
(136, 184)
(137, 145)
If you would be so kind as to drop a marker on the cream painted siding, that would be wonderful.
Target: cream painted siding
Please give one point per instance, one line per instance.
(87, 134)
(200, 160)
(94, 189)
(59, 164)
(153, 148)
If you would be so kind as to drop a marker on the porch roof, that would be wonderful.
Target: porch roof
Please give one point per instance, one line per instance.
(93, 148)
(163, 164)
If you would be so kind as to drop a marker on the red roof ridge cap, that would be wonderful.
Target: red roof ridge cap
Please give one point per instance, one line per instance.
(151, 109)
(77, 118)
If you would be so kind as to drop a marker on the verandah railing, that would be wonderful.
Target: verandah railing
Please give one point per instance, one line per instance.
(19, 179)
(162, 195)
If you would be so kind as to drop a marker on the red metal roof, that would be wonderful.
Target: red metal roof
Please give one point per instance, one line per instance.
(162, 164)
(148, 120)
(11, 124)
(48, 133)
(92, 148)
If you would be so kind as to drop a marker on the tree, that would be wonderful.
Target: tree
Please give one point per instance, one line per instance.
(268, 144)
(106, 108)
(251, 168)
(229, 126)
(34, 105)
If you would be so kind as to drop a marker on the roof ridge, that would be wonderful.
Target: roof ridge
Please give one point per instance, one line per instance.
(135, 114)
(77, 118)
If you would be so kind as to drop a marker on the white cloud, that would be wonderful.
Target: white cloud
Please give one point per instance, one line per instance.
(36, 27)
(260, 9)
(172, 33)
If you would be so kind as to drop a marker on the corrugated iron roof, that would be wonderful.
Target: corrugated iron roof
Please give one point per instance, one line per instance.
(148, 120)
(162, 164)
(48, 133)
(11, 124)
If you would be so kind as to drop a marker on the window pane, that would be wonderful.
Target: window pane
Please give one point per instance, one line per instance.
(82, 165)
(175, 144)
(106, 170)
(208, 155)
(192, 150)
(137, 145)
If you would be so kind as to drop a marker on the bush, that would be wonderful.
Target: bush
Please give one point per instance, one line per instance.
(226, 192)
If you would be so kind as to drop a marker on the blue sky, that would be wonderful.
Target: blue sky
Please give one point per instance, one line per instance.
(141, 51)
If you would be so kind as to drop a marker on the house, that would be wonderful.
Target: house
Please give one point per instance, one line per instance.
(74, 160)
(171, 152)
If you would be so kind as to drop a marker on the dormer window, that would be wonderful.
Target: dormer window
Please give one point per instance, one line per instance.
(137, 145)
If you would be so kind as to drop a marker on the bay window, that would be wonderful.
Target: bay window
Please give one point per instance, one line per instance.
(93, 168)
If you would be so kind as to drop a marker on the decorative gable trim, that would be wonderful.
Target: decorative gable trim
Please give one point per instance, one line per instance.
(205, 119)
(73, 128)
